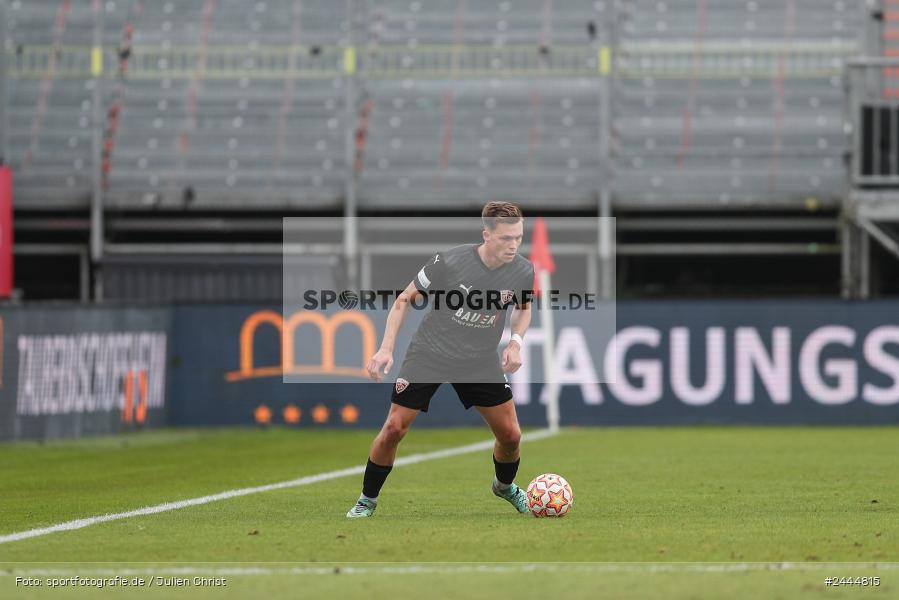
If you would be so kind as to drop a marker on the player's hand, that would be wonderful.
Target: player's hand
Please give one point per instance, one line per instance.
(379, 364)
(511, 358)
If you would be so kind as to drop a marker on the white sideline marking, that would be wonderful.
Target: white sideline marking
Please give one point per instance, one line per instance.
(308, 480)
(452, 568)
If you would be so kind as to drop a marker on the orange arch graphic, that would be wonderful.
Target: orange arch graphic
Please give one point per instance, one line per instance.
(327, 327)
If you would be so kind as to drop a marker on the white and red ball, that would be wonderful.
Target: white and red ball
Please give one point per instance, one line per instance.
(549, 495)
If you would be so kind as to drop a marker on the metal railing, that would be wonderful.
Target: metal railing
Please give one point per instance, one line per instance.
(446, 61)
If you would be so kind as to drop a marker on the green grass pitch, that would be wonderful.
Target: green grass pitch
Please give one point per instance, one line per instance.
(654, 507)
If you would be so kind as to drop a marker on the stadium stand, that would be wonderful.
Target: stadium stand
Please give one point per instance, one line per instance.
(747, 108)
(50, 102)
(224, 107)
(195, 125)
(208, 118)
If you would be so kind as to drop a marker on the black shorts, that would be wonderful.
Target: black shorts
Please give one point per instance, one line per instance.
(479, 382)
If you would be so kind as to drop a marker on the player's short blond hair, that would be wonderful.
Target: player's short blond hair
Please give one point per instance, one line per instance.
(500, 212)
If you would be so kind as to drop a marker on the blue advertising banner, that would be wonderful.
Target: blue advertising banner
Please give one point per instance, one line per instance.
(761, 362)
(68, 372)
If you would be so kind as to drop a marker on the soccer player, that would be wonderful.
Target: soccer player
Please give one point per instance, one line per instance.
(458, 344)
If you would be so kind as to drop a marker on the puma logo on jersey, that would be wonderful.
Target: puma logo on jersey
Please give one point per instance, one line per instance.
(467, 289)
(436, 258)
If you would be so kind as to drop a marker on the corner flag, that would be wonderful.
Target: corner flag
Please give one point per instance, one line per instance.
(541, 257)
(543, 262)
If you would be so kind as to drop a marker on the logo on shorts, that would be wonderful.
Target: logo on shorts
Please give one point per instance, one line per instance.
(505, 296)
(401, 384)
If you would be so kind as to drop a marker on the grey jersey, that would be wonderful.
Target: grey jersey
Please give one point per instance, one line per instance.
(459, 277)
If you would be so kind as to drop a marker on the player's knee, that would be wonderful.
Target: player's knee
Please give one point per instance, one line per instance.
(394, 431)
(509, 438)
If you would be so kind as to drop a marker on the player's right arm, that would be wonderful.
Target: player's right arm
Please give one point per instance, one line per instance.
(380, 363)
(430, 277)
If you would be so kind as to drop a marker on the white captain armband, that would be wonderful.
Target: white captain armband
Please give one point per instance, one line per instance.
(423, 279)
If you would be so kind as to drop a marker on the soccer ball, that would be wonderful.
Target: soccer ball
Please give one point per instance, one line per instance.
(549, 495)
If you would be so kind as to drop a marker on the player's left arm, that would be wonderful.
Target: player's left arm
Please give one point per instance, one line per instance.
(521, 320)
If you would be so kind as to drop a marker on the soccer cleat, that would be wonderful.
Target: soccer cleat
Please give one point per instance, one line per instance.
(363, 508)
(515, 495)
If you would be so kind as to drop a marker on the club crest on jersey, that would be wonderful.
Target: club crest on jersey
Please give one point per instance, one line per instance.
(505, 296)
(401, 385)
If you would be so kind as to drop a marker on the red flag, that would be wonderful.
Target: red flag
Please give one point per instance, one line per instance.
(6, 280)
(541, 257)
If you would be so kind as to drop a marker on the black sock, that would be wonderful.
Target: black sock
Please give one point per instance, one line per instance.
(375, 476)
(505, 472)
